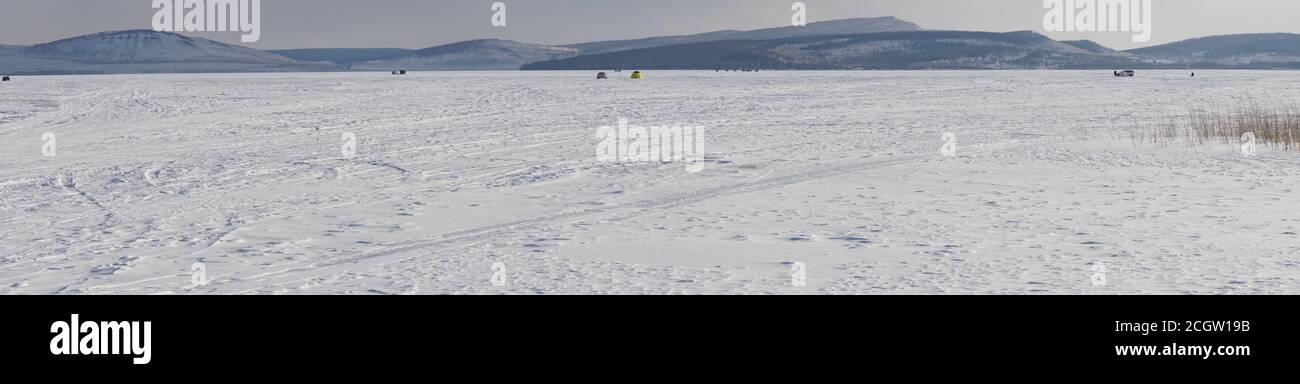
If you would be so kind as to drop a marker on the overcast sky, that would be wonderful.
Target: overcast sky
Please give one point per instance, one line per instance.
(425, 23)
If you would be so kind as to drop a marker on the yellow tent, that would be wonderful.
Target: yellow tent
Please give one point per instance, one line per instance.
(637, 75)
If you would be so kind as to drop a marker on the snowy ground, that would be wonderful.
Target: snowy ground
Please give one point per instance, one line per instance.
(838, 172)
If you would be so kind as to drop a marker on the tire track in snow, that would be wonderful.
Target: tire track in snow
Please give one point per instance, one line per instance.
(398, 251)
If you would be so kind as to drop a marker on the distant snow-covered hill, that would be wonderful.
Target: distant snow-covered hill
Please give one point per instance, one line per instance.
(342, 55)
(139, 51)
(1261, 50)
(872, 43)
(489, 54)
(833, 27)
(146, 46)
(887, 50)
(1090, 46)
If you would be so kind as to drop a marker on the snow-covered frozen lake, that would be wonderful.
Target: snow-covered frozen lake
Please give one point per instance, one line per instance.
(467, 183)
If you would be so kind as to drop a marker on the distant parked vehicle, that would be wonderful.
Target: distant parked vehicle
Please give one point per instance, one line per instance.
(6, 78)
(399, 72)
(601, 76)
(1125, 73)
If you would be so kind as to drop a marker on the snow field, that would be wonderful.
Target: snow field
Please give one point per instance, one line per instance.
(836, 172)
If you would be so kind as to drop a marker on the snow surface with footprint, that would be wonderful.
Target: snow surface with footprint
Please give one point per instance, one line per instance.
(457, 172)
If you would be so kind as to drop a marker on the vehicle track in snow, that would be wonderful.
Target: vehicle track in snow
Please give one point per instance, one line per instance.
(449, 242)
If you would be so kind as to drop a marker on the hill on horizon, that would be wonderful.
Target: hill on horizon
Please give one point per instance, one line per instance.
(1256, 50)
(486, 54)
(886, 50)
(832, 27)
(139, 51)
(862, 43)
